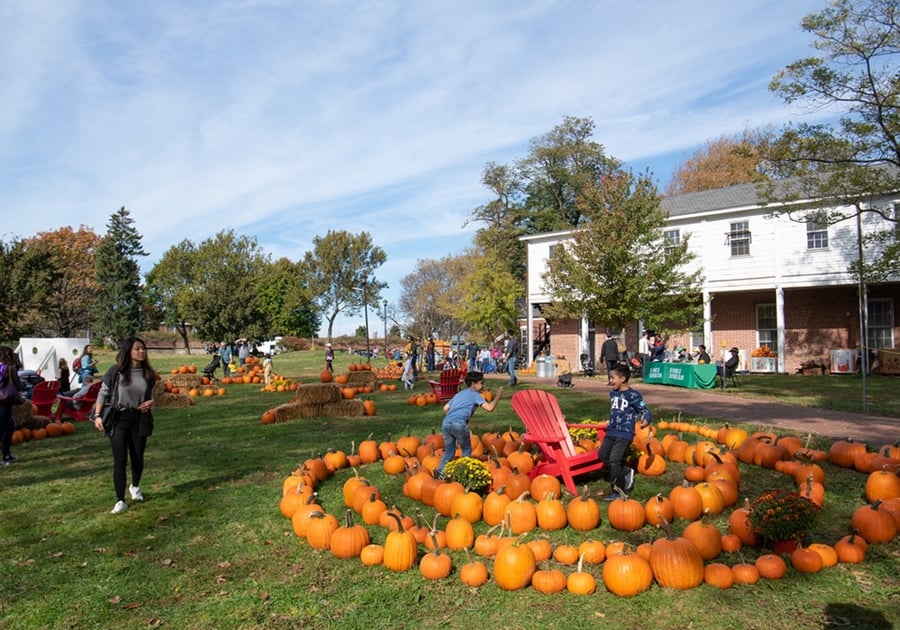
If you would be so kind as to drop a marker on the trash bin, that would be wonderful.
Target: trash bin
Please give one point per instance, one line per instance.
(541, 367)
(843, 361)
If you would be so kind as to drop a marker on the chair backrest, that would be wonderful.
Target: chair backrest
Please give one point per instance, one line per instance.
(86, 401)
(45, 390)
(450, 377)
(540, 412)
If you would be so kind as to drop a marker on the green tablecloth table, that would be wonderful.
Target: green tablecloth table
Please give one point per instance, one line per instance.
(690, 375)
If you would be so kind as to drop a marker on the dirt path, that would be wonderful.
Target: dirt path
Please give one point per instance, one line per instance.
(873, 430)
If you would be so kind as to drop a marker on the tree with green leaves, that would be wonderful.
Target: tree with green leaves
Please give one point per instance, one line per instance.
(336, 270)
(846, 166)
(286, 299)
(212, 287)
(618, 268)
(117, 304)
(488, 305)
(16, 291)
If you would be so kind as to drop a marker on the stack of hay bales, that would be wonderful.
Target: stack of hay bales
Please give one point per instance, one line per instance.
(363, 378)
(317, 400)
(23, 416)
(164, 400)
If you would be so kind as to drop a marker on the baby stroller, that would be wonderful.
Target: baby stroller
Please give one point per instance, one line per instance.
(587, 366)
(635, 366)
(210, 370)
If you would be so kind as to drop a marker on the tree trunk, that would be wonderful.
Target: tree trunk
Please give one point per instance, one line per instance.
(182, 331)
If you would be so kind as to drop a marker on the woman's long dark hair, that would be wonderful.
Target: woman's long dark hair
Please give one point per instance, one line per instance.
(123, 362)
(8, 357)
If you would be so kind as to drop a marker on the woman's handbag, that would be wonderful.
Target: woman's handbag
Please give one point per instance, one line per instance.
(10, 393)
(110, 414)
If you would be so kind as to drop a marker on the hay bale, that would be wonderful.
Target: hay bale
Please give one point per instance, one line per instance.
(185, 381)
(361, 379)
(344, 409)
(288, 411)
(165, 400)
(317, 394)
(22, 414)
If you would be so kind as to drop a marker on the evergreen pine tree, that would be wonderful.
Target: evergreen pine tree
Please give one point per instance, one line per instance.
(118, 302)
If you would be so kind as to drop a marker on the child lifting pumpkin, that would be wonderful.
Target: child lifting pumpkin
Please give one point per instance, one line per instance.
(455, 427)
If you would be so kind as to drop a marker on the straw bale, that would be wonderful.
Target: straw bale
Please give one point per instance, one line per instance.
(22, 414)
(318, 394)
(185, 381)
(165, 400)
(361, 379)
(288, 411)
(352, 408)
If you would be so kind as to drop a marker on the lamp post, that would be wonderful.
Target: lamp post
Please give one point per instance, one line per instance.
(385, 330)
(365, 283)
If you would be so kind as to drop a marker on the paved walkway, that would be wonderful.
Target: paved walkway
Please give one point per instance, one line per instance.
(728, 407)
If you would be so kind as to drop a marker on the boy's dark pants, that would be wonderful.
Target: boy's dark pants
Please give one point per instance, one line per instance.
(612, 453)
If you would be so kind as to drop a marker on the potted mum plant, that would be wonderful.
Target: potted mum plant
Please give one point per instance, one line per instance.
(783, 518)
(472, 473)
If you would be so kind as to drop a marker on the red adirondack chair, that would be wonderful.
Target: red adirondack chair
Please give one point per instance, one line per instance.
(446, 388)
(43, 395)
(546, 426)
(81, 407)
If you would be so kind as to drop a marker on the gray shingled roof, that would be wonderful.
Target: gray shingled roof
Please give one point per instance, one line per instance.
(742, 195)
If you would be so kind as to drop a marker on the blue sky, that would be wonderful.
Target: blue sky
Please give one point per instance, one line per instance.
(283, 119)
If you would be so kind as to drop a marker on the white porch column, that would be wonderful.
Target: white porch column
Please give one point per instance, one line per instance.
(585, 326)
(707, 320)
(779, 323)
(529, 319)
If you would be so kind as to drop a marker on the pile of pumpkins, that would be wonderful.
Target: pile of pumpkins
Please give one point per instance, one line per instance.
(517, 507)
(49, 429)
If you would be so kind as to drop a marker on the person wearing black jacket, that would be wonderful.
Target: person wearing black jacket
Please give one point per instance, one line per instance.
(129, 386)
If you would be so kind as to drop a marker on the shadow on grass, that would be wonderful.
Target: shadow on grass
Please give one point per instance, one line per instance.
(840, 615)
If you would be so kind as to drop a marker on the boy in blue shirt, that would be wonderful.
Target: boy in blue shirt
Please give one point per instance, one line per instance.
(455, 427)
(626, 405)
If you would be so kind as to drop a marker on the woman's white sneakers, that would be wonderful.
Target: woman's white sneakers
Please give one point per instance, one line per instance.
(136, 494)
(119, 507)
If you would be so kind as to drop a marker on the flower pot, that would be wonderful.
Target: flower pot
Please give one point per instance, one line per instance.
(783, 546)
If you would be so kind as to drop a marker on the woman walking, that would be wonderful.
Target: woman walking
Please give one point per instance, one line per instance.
(128, 386)
(11, 386)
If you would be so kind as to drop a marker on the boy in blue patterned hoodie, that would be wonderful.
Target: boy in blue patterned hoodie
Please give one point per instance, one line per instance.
(626, 405)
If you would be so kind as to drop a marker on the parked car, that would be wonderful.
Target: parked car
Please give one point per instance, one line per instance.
(29, 379)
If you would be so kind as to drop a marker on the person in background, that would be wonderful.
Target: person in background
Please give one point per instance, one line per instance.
(626, 405)
(9, 379)
(511, 354)
(80, 393)
(429, 355)
(87, 365)
(243, 351)
(225, 355)
(703, 356)
(658, 349)
(563, 371)
(409, 374)
(609, 354)
(644, 347)
(130, 381)
(329, 357)
(267, 369)
(64, 375)
(455, 426)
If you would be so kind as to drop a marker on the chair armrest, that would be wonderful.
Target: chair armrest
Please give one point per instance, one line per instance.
(601, 425)
(546, 440)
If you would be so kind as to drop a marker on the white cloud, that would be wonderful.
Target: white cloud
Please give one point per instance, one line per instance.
(286, 119)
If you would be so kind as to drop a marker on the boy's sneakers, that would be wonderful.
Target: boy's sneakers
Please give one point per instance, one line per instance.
(119, 507)
(136, 494)
(9, 459)
(629, 479)
(612, 496)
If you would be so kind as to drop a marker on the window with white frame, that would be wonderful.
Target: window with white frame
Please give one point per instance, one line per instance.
(671, 238)
(880, 313)
(816, 235)
(767, 326)
(738, 238)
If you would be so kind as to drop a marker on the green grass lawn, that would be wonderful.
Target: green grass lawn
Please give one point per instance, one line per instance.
(209, 548)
